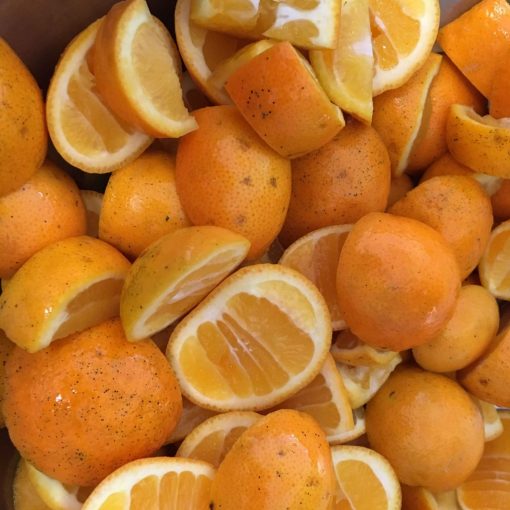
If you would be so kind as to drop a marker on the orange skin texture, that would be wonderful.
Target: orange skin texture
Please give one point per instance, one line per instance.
(487, 23)
(24, 138)
(449, 87)
(446, 165)
(283, 461)
(488, 378)
(339, 183)
(228, 177)
(459, 209)
(428, 428)
(141, 204)
(283, 102)
(501, 201)
(89, 403)
(6, 346)
(397, 281)
(46, 209)
(499, 100)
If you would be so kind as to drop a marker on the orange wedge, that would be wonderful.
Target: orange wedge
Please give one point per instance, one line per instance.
(260, 336)
(365, 480)
(158, 482)
(66, 287)
(346, 72)
(212, 439)
(192, 416)
(326, 400)
(315, 255)
(492, 424)
(175, 273)
(480, 143)
(136, 71)
(85, 132)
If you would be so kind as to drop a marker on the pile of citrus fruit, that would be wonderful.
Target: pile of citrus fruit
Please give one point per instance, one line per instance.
(292, 292)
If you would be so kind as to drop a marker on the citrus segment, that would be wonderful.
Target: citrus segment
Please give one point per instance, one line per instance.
(365, 479)
(403, 34)
(84, 289)
(326, 400)
(315, 255)
(260, 336)
(83, 129)
(159, 482)
(212, 439)
(136, 71)
(346, 72)
(480, 143)
(174, 273)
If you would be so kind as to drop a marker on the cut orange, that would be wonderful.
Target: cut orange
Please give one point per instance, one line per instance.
(326, 400)
(93, 200)
(492, 424)
(499, 101)
(315, 255)
(480, 143)
(175, 273)
(398, 113)
(172, 483)
(137, 73)
(365, 480)
(83, 129)
(192, 416)
(66, 287)
(262, 335)
(417, 498)
(25, 496)
(212, 439)
(346, 72)
(494, 264)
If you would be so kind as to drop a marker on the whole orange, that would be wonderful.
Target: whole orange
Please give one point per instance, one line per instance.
(283, 461)
(228, 177)
(23, 138)
(427, 426)
(89, 403)
(338, 183)
(397, 281)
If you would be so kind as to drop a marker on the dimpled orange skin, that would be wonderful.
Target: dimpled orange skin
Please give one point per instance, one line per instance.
(397, 281)
(338, 183)
(23, 139)
(89, 403)
(141, 204)
(459, 209)
(228, 177)
(47, 208)
(283, 461)
(427, 427)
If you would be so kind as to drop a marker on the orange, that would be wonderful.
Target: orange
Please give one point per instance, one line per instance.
(283, 461)
(448, 87)
(490, 480)
(386, 302)
(259, 337)
(339, 183)
(24, 137)
(65, 287)
(480, 143)
(399, 186)
(141, 204)
(227, 176)
(192, 416)
(83, 129)
(93, 201)
(466, 335)
(278, 95)
(315, 255)
(79, 389)
(213, 438)
(492, 424)
(493, 268)
(459, 209)
(499, 104)
(137, 73)
(487, 23)
(399, 113)
(47, 208)
(6, 346)
(501, 201)
(446, 165)
(428, 427)
(174, 274)
(159, 482)
(365, 479)
(417, 498)
(488, 377)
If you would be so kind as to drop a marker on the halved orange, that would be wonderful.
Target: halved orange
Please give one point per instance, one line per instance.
(260, 336)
